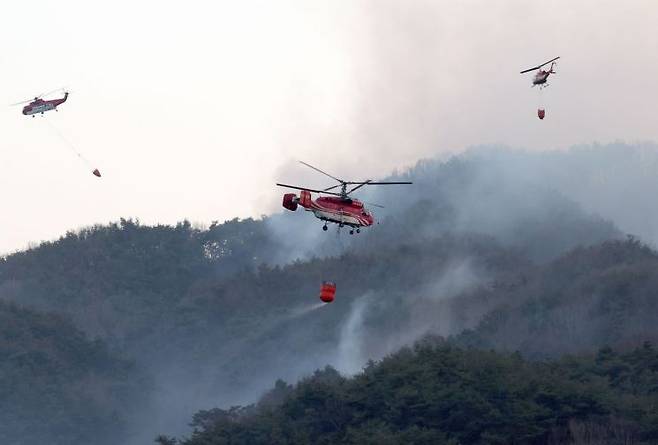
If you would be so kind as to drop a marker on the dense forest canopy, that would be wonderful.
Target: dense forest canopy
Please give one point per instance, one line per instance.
(435, 393)
(493, 249)
(58, 387)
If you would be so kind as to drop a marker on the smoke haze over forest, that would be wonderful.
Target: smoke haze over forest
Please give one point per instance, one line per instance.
(524, 256)
(212, 317)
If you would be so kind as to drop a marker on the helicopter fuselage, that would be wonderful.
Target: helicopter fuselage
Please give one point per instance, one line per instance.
(344, 212)
(541, 77)
(41, 106)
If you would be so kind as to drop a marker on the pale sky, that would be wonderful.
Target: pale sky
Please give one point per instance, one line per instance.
(194, 109)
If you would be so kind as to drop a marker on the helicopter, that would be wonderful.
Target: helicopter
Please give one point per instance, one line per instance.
(39, 105)
(339, 208)
(541, 77)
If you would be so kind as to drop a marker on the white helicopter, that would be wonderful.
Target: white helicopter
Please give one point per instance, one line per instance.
(541, 77)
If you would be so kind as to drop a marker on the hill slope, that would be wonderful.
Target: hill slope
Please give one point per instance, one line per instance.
(599, 295)
(482, 243)
(58, 387)
(438, 394)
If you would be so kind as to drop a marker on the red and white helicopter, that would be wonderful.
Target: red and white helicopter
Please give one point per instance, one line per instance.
(39, 105)
(338, 208)
(541, 77)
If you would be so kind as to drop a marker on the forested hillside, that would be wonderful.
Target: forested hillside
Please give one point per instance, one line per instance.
(599, 295)
(58, 387)
(488, 256)
(435, 394)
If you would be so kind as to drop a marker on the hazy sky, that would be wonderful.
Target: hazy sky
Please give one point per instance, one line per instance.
(194, 109)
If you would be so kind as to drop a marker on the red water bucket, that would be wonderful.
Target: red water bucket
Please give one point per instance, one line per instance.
(541, 113)
(327, 291)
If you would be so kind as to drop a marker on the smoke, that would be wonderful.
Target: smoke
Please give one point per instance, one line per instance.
(301, 237)
(410, 316)
(616, 181)
(432, 77)
(543, 202)
(522, 199)
(459, 276)
(350, 353)
(181, 391)
(506, 187)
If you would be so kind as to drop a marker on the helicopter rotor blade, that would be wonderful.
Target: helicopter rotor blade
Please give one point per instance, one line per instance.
(63, 90)
(539, 66)
(307, 189)
(50, 92)
(530, 69)
(359, 186)
(21, 103)
(320, 171)
(332, 187)
(380, 182)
